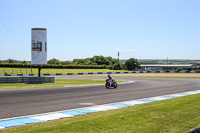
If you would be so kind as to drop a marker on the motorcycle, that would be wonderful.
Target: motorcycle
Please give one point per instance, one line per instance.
(107, 85)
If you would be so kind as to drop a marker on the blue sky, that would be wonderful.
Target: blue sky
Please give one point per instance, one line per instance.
(142, 29)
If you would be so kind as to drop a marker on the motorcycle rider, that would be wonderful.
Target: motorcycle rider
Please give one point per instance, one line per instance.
(110, 79)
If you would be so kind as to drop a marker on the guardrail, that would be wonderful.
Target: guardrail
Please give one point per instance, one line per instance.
(27, 80)
(90, 73)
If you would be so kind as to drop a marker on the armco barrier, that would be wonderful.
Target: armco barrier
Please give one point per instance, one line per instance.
(13, 79)
(27, 80)
(9, 80)
(40, 80)
(90, 73)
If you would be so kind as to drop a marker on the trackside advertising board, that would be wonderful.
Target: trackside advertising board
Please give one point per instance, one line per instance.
(39, 46)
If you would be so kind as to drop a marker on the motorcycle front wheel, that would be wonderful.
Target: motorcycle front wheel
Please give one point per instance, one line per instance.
(115, 85)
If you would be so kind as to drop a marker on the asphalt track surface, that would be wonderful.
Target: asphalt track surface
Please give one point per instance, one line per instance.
(21, 102)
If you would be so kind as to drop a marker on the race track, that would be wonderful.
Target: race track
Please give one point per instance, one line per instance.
(21, 102)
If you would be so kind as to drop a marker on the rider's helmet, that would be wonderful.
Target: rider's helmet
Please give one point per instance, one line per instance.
(109, 76)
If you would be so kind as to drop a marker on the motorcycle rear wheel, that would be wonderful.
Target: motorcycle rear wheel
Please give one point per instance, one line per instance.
(107, 85)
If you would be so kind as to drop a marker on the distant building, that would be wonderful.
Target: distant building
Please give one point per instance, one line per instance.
(164, 67)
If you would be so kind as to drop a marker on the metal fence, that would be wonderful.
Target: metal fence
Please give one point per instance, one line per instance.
(17, 70)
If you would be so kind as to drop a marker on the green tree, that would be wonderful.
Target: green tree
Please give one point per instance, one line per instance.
(117, 66)
(11, 61)
(96, 60)
(24, 62)
(0, 61)
(64, 62)
(113, 61)
(53, 61)
(179, 69)
(78, 62)
(143, 63)
(87, 61)
(131, 64)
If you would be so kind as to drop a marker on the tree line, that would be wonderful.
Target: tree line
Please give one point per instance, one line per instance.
(131, 64)
(99, 62)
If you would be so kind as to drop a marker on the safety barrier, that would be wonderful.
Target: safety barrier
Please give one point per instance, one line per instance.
(27, 80)
(40, 80)
(90, 73)
(9, 80)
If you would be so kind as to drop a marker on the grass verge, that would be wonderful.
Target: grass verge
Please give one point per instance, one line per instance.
(115, 76)
(58, 83)
(157, 117)
(49, 70)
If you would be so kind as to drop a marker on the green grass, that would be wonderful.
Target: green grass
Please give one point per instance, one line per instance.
(47, 70)
(58, 82)
(136, 76)
(174, 116)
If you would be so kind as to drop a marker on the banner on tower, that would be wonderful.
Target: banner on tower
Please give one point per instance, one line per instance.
(39, 46)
